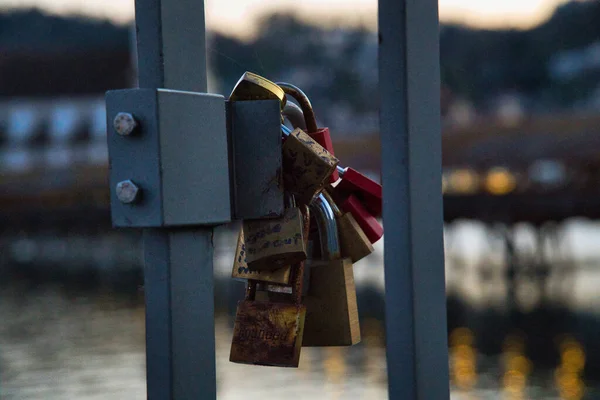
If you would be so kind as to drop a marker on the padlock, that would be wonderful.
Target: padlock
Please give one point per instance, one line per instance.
(323, 137)
(241, 271)
(302, 99)
(365, 189)
(276, 242)
(267, 333)
(368, 223)
(331, 306)
(320, 135)
(255, 87)
(271, 333)
(354, 244)
(307, 166)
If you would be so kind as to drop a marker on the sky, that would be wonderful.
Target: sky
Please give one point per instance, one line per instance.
(238, 17)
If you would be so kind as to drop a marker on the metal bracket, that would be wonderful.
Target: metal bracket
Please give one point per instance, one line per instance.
(171, 153)
(255, 129)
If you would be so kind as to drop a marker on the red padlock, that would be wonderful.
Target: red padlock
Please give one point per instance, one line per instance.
(322, 136)
(366, 220)
(366, 189)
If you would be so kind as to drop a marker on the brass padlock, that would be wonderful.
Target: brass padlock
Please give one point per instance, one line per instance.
(354, 243)
(331, 306)
(276, 242)
(307, 166)
(255, 87)
(270, 333)
(242, 272)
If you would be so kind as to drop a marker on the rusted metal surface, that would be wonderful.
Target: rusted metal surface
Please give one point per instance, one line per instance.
(302, 99)
(306, 166)
(268, 333)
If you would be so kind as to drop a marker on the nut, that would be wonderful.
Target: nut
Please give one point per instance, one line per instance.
(127, 191)
(124, 123)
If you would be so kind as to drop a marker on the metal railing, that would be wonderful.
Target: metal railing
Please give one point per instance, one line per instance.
(178, 262)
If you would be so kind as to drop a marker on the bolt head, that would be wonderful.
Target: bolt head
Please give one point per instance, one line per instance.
(124, 123)
(127, 191)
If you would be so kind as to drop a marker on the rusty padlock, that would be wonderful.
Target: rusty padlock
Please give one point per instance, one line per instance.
(331, 306)
(271, 333)
(307, 166)
(354, 243)
(275, 242)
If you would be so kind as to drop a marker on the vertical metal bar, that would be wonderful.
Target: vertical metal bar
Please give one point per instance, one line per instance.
(180, 341)
(417, 352)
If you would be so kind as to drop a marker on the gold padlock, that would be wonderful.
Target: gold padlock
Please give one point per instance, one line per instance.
(331, 306)
(354, 243)
(275, 242)
(254, 87)
(242, 272)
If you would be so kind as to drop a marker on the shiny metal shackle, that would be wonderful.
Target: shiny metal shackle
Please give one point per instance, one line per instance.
(327, 227)
(294, 115)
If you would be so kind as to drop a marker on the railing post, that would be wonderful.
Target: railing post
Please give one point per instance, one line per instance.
(178, 273)
(409, 76)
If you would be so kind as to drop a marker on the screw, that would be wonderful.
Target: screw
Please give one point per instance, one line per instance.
(127, 191)
(124, 124)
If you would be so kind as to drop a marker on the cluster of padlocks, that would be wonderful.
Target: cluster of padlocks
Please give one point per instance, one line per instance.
(299, 266)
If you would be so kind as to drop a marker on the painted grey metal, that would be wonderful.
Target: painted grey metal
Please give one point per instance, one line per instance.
(417, 351)
(194, 158)
(171, 44)
(256, 147)
(180, 330)
(135, 157)
(159, 324)
(192, 315)
(178, 157)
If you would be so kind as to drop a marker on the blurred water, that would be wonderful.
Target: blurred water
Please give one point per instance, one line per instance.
(58, 343)
(56, 346)
(59, 346)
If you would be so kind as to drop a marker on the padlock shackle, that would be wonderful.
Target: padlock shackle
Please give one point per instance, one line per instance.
(327, 227)
(336, 210)
(294, 114)
(302, 99)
